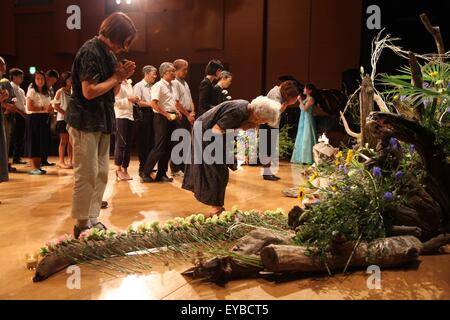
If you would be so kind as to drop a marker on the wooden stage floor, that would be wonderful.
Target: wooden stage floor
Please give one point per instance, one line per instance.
(37, 209)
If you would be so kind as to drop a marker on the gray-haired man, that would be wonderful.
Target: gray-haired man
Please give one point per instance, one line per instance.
(164, 103)
(186, 107)
(144, 126)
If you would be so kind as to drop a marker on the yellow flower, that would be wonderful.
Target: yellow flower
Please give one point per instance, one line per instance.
(337, 163)
(333, 188)
(313, 177)
(339, 155)
(439, 82)
(349, 157)
(434, 74)
(301, 195)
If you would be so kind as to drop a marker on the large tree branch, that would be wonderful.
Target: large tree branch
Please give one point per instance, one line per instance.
(436, 33)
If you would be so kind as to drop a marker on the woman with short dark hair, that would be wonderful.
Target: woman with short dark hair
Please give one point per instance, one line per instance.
(222, 86)
(207, 97)
(90, 116)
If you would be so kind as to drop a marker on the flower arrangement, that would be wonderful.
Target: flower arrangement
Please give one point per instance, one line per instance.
(355, 204)
(174, 240)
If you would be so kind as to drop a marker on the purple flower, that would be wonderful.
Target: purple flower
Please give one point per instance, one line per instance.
(448, 110)
(398, 175)
(426, 85)
(412, 148)
(393, 143)
(388, 196)
(377, 172)
(343, 168)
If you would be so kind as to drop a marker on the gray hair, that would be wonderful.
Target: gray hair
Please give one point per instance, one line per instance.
(148, 69)
(225, 75)
(266, 109)
(180, 63)
(165, 66)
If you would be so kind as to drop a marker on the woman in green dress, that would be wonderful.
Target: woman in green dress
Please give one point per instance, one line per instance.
(306, 134)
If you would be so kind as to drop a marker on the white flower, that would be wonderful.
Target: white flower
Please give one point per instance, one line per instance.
(129, 81)
(229, 98)
(225, 92)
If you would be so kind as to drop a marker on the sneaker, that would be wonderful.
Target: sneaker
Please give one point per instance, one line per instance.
(271, 178)
(36, 172)
(43, 171)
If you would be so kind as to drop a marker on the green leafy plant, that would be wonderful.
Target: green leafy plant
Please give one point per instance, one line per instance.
(286, 144)
(355, 204)
(434, 96)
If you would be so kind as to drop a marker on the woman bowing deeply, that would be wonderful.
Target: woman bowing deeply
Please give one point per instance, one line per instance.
(207, 177)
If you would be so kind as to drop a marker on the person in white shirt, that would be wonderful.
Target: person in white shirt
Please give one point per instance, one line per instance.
(123, 109)
(18, 129)
(60, 104)
(38, 110)
(164, 102)
(186, 107)
(287, 95)
(144, 125)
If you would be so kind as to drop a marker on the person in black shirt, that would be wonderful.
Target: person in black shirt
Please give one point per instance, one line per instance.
(207, 96)
(90, 115)
(221, 88)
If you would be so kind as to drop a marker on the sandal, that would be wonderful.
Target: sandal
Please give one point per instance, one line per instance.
(77, 231)
(99, 226)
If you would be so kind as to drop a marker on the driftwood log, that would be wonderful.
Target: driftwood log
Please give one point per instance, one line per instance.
(436, 34)
(417, 81)
(385, 253)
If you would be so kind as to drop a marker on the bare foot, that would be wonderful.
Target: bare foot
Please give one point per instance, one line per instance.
(127, 176)
(216, 211)
(62, 166)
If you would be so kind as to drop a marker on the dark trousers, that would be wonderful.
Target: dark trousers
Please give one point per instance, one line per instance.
(124, 140)
(47, 135)
(163, 146)
(180, 124)
(268, 157)
(145, 136)
(18, 137)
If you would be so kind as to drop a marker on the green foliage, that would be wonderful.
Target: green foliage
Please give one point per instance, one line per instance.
(434, 97)
(286, 146)
(356, 203)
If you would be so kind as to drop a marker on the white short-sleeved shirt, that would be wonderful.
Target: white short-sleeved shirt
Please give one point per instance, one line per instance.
(123, 108)
(184, 93)
(21, 99)
(63, 102)
(166, 94)
(143, 90)
(39, 100)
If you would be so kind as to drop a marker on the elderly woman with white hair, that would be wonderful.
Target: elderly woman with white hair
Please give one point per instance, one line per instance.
(208, 178)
